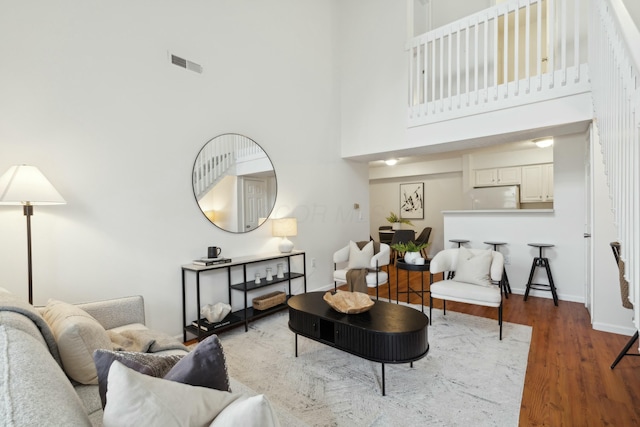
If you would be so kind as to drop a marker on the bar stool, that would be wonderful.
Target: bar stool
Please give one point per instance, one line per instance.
(504, 283)
(541, 261)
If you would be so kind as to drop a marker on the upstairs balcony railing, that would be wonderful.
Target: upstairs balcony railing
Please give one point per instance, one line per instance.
(517, 52)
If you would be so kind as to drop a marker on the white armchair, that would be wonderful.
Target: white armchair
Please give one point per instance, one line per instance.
(476, 280)
(375, 277)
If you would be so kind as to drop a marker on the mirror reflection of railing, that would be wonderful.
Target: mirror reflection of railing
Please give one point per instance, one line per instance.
(234, 183)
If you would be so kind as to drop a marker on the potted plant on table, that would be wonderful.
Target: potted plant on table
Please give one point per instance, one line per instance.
(395, 221)
(410, 249)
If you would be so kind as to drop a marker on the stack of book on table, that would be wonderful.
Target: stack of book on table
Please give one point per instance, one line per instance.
(211, 261)
(207, 326)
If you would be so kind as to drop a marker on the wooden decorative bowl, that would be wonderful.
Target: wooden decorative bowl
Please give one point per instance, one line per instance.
(349, 302)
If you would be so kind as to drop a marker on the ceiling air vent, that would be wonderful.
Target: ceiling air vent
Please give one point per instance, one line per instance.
(181, 62)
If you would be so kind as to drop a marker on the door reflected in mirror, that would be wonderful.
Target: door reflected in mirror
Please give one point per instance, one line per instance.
(234, 183)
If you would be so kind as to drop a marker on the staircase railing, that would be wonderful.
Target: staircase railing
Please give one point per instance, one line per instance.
(517, 52)
(614, 61)
(214, 162)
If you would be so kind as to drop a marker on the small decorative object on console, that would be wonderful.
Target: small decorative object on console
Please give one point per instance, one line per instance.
(269, 300)
(215, 313)
(349, 302)
(280, 274)
(269, 275)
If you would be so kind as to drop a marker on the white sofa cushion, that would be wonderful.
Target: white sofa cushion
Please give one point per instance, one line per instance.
(474, 267)
(135, 399)
(78, 335)
(466, 292)
(341, 276)
(360, 258)
(33, 388)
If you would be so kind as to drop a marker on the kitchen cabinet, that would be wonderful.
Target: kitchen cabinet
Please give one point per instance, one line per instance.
(497, 176)
(537, 183)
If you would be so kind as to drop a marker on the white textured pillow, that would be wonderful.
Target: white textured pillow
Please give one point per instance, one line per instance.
(255, 411)
(474, 269)
(135, 399)
(78, 335)
(360, 258)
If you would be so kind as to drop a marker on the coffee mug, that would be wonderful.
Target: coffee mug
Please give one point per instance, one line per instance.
(213, 252)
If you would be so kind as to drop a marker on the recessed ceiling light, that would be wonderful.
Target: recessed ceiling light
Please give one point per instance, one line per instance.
(543, 142)
(391, 162)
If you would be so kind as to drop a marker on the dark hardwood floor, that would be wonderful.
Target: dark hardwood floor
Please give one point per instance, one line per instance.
(568, 381)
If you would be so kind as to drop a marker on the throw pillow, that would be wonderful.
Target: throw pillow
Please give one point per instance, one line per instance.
(204, 366)
(254, 411)
(474, 268)
(135, 399)
(78, 335)
(360, 258)
(155, 365)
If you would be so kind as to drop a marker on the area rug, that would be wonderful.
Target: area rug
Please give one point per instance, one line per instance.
(469, 376)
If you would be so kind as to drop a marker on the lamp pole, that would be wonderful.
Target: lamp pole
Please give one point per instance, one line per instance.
(28, 211)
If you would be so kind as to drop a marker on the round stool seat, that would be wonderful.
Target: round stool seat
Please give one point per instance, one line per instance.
(459, 241)
(541, 245)
(495, 244)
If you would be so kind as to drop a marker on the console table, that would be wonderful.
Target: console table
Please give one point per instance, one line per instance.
(387, 333)
(248, 284)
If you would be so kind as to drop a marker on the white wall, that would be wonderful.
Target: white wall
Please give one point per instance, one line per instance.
(633, 7)
(373, 74)
(89, 96)
(441, 191)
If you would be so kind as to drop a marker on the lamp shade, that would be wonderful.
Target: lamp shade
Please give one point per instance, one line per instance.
(285, 227)
(26, 185)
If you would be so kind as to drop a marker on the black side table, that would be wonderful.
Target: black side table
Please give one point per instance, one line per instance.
(541, 261)
(401, 265)
(504, 283)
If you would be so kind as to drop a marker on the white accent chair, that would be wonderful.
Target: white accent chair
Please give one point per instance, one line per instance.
(489, 295)
(376, 276)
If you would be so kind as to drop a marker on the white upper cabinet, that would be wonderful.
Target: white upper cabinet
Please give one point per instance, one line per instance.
(509, 176)
(537, 183)
(497, 176)
(486, 177)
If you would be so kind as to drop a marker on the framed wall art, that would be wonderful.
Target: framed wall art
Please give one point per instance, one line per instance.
(412, 200)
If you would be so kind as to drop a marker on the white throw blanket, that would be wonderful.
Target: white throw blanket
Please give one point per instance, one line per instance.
(144, 341)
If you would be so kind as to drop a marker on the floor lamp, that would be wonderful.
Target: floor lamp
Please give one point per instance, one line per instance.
(27, 186)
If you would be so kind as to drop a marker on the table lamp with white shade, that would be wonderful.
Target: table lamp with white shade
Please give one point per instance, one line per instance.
(27, 186)
(285, 227)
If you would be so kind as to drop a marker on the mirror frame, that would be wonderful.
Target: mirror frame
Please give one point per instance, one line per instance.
(252, 172)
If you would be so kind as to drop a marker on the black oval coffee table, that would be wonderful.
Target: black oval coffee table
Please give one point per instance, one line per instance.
(387, 333)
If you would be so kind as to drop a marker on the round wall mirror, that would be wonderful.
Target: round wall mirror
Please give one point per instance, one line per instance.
(234, 183)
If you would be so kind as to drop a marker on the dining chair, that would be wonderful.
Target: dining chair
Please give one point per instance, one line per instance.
(385, 234)
(424, 238)
(401, 236)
